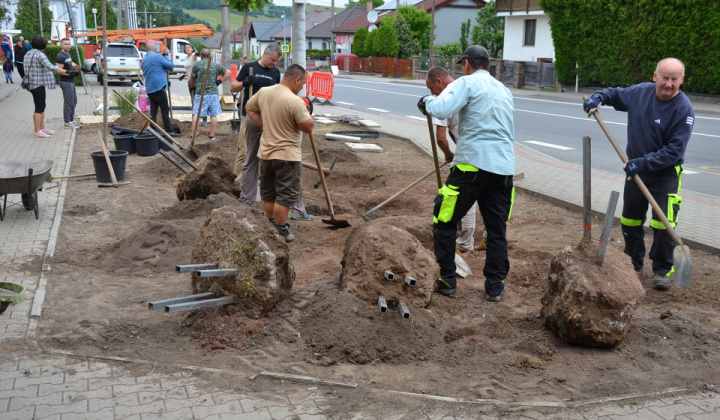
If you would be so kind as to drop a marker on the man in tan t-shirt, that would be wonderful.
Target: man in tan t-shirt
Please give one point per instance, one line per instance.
(283, 117)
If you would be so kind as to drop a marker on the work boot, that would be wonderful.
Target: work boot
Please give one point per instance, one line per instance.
(445, 289)
(284, 231)
(661, 282)
(495, 298)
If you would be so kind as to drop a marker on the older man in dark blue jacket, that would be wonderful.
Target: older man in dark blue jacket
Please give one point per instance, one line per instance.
(154, 66)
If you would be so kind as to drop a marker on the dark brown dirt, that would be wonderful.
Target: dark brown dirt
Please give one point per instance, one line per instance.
(117, 250)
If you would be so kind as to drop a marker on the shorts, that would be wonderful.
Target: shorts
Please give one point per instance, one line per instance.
(39, 99)
(280, 181)
(210, 106)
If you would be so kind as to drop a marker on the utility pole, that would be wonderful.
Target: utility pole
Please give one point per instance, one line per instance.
(119, 14)
(298, 34)
(40, 14)
(225, 44)
(432, 33)
(332, 28)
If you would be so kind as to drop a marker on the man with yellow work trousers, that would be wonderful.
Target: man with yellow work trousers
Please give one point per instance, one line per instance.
(482, 169)
(283, 117)
(437, 80)
(660, 122)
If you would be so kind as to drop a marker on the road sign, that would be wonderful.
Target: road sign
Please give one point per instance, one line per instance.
(285, 48)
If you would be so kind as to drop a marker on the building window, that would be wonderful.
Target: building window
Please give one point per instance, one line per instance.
(324, 46)
(309, 45)
(529, 39)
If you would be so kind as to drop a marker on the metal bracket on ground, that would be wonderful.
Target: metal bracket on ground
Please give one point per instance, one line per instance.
(410, 281)
(404, 312)
(382, 304)
(389, 275)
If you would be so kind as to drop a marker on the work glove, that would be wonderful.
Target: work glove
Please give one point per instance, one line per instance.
(308, 104)
(633, 166)
(182, 76)
(250, 80)
(218, 82)
(73, 73)
(591, 104)
(168, 83)
(421, 104)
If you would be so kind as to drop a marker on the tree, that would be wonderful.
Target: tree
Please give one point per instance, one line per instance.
(450, 48)
(409, 46)
(490, 30)
(90, 18)
(419, 23)
(359, 40)
(375, 3)
(245, 6)
(4, 12)
(27, 18)
(369, 49)
(386, 42)
(464, 32)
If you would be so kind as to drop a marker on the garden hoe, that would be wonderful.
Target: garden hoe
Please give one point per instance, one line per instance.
(681, 254)
(333, 221)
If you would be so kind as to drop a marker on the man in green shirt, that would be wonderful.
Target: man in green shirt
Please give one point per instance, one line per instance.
(211, 101)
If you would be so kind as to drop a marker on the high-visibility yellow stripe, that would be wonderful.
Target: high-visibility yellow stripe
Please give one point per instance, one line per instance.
(630, 222)
(466, 167)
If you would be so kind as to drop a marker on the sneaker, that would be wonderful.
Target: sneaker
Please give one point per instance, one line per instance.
(203, 123)
(211, 137)
(48, 131)
(307, 217)
(72, 125)
(661, 282)
(41, 134)
(445, 289)
(284, 231)
(495, 298)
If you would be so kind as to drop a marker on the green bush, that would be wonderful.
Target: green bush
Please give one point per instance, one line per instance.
(360, 42)
(318, 53)
(618, 43)
(131, 95)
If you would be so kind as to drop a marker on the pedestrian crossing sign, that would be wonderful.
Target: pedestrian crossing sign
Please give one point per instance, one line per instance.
(285, 48)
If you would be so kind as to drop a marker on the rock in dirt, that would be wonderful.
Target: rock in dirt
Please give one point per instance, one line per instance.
(375, 247)
(241, 237)
(589, 304)
(213, 176)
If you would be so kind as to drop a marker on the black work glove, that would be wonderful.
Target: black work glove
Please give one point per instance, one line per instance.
(181, 77)
(73, 73)
(250, 80)
(633, 166)
(308, 104)
(169, 84)
(421, 104)
(218, 82)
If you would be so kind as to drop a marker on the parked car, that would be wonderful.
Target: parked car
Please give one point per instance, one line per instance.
(123, 62)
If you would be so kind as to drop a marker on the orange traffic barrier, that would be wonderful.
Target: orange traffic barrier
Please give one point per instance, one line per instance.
(233, 72)
(308, 84)
(322, 85)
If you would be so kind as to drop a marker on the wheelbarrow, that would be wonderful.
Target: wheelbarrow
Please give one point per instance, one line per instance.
(26, 178)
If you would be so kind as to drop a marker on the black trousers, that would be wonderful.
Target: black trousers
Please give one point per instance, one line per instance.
(494, 194)
(159, 99)
(663, 186)
(21, 69)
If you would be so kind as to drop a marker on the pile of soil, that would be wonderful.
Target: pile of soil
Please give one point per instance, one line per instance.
(117, 250)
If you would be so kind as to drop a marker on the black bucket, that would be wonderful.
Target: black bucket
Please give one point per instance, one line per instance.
(118, 160)
(235, 125)
(146, 145)
(125, 142)
(124, 130)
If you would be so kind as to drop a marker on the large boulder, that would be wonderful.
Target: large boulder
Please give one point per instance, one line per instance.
(241, 237)
(589, 304)
(379, 246)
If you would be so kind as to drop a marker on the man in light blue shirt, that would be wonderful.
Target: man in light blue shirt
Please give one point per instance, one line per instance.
(153, 67)
(482, 170)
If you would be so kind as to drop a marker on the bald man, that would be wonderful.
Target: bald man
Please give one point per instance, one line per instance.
(660, 122)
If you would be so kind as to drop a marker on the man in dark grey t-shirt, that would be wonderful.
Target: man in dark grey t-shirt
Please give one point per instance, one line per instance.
(67, 85)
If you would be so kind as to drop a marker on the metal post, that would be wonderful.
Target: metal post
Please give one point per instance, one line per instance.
(587, 208)
(40, 14)
(95, 17)
(609, 217)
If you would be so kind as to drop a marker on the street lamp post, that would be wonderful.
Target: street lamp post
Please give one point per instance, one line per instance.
(40, 14)
(95, 17)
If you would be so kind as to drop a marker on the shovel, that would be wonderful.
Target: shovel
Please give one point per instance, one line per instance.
(333, 221)
(681, 254)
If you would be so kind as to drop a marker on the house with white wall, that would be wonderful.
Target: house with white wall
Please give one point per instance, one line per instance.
(59, 11)
(527, 31)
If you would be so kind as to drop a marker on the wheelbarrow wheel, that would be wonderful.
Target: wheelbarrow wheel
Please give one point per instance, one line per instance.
(27, 202)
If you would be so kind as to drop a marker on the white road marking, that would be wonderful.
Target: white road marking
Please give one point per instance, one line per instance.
(415, 117)
(345, 103)
(554, 146)
(689, 172)
(378, 110)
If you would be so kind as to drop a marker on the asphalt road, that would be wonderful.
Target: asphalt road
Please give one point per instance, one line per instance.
(552, 127)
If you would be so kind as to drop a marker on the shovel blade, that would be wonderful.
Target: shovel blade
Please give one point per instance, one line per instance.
(683, 266)
(338, 224)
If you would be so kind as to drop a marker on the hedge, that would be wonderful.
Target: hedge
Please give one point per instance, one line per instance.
(619, 42)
